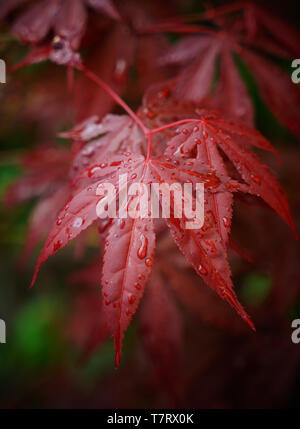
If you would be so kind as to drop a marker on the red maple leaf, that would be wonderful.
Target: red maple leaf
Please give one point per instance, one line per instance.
(170, 140)
(191, 156)
(68, 18)
(247, 34)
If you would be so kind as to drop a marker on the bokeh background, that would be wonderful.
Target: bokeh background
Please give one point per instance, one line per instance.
(57, 352)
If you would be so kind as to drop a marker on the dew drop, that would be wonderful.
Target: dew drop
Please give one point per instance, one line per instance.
(149, 262)
(142, 251)
(226, 221)
(120, 70)
(131, 299)
(88, 151)
(202, 270)
(92, 171)
(78, 222)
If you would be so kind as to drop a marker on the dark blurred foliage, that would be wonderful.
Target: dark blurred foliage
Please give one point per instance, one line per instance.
(197, 353)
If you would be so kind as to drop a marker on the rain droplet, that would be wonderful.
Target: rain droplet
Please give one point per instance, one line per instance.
(88, 151)
(202, 270)
(149, 262)
(226, 221)
(77, 222)
(131, 299)
(142, 251)
(120, 69)
(92, 171)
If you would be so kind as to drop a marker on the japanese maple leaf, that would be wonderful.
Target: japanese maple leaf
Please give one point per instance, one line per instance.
(211, 139)
(87, 325)
(199, 55)
(124, 278)
(45, 168)
(235, 141)
(117, 134)
(117, 47)
(67, 18)
(134, 263)
(162, 336)
(46, 178)
(191, 154)
(42, 217)
(199, 300)
(268, 32)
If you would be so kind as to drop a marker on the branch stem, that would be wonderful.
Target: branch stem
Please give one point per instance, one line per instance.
(92, 76)
(173, 124)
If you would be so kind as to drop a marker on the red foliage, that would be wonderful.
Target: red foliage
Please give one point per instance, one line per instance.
(171, 139)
